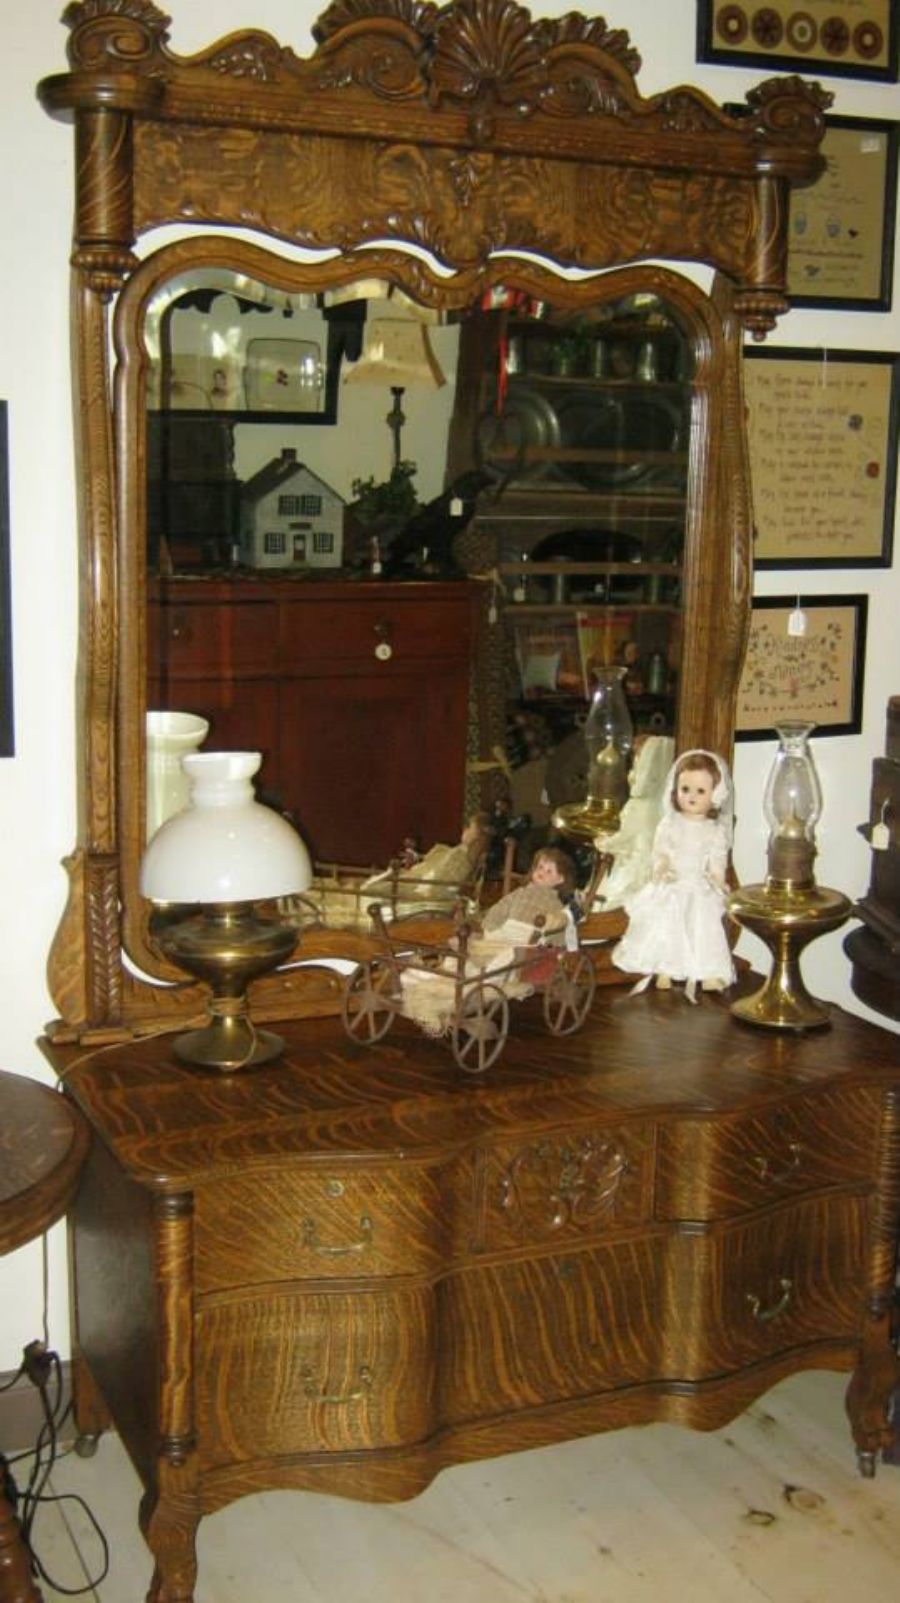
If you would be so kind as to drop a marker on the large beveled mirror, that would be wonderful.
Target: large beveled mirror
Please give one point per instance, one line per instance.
(452, 254)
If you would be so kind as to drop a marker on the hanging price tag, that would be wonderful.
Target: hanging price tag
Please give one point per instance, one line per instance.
(880, 835)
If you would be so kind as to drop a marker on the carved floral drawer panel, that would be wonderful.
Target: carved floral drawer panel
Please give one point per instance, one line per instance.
(714, 1168)
(314, 1371)
(283, 1224)
(567, 1185)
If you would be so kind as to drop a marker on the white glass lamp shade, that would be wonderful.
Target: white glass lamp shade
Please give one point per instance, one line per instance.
(793, 795)
(170, 737)
(225, 846)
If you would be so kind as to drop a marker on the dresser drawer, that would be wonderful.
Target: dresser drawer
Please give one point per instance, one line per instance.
(567, 1187)
(519, 1334)
(296, 1372)
(742, 1293)
(357, 628)
(276, 1225)
(206, 635)
(710, 1169)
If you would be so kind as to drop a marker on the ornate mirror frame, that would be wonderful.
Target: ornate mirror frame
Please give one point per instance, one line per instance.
(444, 149)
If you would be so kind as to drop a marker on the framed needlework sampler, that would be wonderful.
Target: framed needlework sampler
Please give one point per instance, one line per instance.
(815, 676)
(822, 432)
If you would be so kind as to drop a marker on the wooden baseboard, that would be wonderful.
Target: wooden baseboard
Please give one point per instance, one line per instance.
(22, 1414)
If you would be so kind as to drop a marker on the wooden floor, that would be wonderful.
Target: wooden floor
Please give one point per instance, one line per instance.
(769, 1508)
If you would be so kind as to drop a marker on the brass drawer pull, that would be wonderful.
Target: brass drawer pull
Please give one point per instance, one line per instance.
(765, 1170)
(311, 1387)
(384, 649)
(311, 1239)
(763, 1315)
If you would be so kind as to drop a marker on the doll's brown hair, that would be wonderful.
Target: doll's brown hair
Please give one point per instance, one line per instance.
(561, 861)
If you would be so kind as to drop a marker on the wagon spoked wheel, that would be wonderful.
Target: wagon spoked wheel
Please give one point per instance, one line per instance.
(370, 1002)
(479, 1032)
(569, 994)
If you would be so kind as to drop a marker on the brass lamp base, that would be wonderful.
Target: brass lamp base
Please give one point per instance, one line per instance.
(786, 917)
(584, 821)
(228, 945)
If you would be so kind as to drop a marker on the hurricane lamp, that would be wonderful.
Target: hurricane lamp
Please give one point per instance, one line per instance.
(215, 872)
(608, 737)
(789, 909)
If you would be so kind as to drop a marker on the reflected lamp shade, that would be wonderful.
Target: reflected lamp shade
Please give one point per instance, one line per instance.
(226, 846)
(396, 352)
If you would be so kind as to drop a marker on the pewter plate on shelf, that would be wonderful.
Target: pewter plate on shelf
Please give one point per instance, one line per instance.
(283, 375)
(504, 439)
(631, 424)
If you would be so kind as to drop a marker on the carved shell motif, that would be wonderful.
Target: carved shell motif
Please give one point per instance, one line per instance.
(483, 45)
(486, 52)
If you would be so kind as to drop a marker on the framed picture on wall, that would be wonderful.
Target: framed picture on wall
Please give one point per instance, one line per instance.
(817, 675)
(822, 430)
(7, 745)
(844, 38)
(841, 245)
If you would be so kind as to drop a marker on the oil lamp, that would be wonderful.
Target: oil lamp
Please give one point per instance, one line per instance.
(214, 872)
(608, 736)
(789, 910)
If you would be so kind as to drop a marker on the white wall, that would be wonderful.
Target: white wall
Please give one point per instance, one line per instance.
(37, 786)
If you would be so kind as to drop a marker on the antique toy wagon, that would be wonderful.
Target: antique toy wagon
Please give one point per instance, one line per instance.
(461, 988)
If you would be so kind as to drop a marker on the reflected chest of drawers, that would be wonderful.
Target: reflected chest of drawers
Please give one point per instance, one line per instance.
(358, 1266)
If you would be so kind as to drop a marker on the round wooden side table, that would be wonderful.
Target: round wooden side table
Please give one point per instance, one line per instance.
(43, 1141)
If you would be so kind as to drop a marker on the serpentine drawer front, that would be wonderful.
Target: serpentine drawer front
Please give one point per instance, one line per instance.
(327, 1371)
(717, 1167)
(336, 1223)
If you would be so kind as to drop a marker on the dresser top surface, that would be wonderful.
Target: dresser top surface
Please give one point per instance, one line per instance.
(651, 1055)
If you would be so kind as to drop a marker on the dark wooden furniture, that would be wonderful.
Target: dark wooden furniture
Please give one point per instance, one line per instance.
(43, 1141)
(451, 153)
(874, 947)
(356, 694)
(358, 1266)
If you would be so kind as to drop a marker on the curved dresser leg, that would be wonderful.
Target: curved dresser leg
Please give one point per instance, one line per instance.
(169, 1524)
(869, 1396)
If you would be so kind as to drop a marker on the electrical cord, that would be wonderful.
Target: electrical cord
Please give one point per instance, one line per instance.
(43, 1368)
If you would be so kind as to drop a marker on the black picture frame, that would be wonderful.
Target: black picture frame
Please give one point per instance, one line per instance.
(7, 731)
(843, 227)
(734, 35)
(817, 675)
(842, 500)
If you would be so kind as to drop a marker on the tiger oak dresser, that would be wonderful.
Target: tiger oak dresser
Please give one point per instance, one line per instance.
(358, 1266)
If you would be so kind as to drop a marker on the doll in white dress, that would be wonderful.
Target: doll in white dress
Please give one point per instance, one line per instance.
(675, 922)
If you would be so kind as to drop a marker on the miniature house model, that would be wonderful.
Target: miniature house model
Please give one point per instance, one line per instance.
(291, 518)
